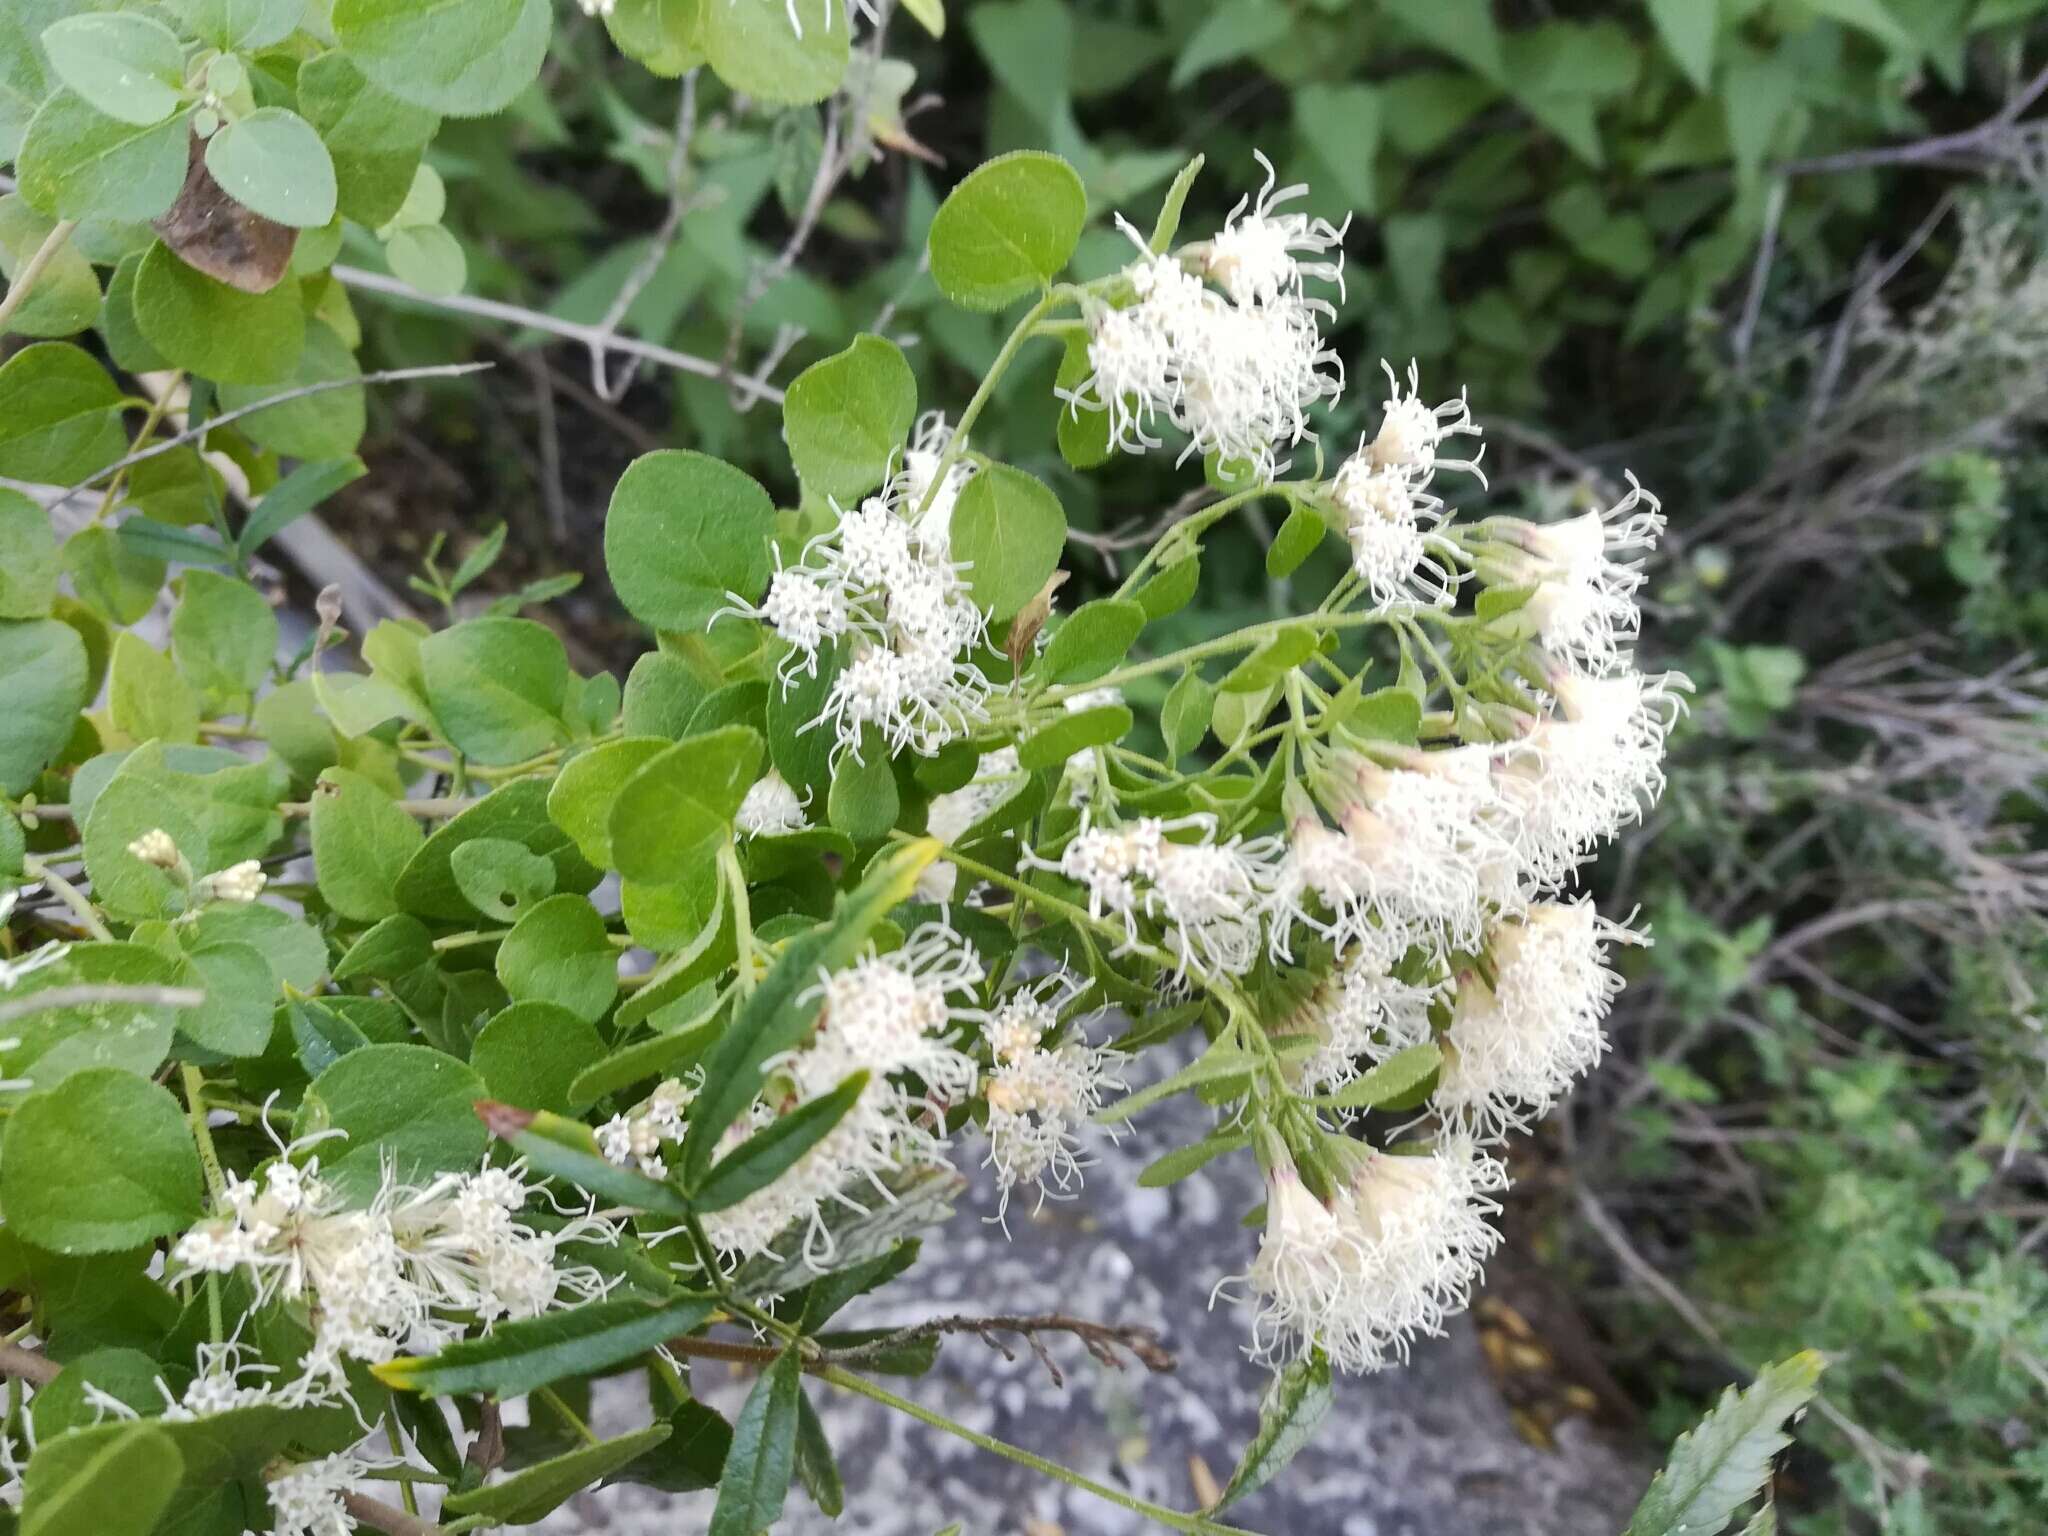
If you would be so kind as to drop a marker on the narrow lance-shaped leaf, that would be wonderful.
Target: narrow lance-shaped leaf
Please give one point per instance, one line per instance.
(769, 1153)
(763, 1455)
(520, 1356)
(568, 1150)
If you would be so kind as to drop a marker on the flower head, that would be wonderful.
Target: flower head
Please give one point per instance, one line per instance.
(770, 809)
(1586, 572)
(1040, 1095)
(1255, 257)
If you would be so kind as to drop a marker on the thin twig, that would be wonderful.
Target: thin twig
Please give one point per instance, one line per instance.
(831, 167)
(38, 1370)
(1936, 148)
(608, 389)
(550, 443)
(1759, 276)
(85, 995)
(1106, 1342)
(533, 319)
(383, 1517)
(191, 434)
(18, 290)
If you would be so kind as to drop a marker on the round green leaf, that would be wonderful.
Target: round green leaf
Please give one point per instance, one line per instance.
(60, 415)
(497, 687)
(373, 138)
(408, 1105)
(1007, 229)
(518, 812)
(661, 34)
(462, 58)
(273, 163)
(361, 843)
(531, 1052)
(44, 663)
(112, 1479)
(128, 66)
(125, 343)
(502, 879)
(117, 579)
(223, 634)
(753, 48)
(51, 1044)
(78, 163)
(560, 953)
(671, 816)
(847, 416)
(684, 533)
(240, 994)
(102, 1161)
(1009, 530)
(218, 332)
(580, 802)
(28, 558)
(428, 257)
(1095, 638)
(864, 800)
(66, 298)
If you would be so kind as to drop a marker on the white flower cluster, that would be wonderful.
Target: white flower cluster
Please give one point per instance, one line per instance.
(1383, 494)
(1205, 896)
(1039, 1096)
(411, 1271)
(1362, 1011)
(1387, 1257)
(1585, 573)
(882, 585)
(238, 884)
(635, 1140)
(888, 1015)
(997, 776)
(1235, 370)
(305, 1497)
(770, 808)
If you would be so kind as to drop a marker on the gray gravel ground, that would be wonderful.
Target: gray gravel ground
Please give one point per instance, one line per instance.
(1425, 1451)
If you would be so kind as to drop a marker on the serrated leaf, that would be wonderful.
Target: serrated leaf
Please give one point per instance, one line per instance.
(1717, 1467)
(1288, 1415)
(1399, 1074)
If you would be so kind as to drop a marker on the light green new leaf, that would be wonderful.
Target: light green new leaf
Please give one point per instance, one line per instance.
(362, 842)
(753, 48)
(581, 799)
(684, 531)
(130, 67)
(1009, 530)
(218, 332)
(664, 35)
(1688, 28)
(78, 163)
(141, 1181)
(147, 698)
(847, 417)
(273, 163)
(110, 1479)
(461, 58)
(1007, 229)
(1720, 1465)
(497, 687)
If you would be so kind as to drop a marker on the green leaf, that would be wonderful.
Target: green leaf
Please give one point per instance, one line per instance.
(1083, 433)
(763, 1455)
(770, 1152)
(532, 1053)
(685, 532)
(1757, 90)
(328, 425)
(373, 138)
(362, 841)
(240, 24)
(847, 416)
(1400, 1074)
(753, 48)
(28, 558)
(1230, 31)
(461, 58)
(140, 1181)
(1340, 124)
(53, 1043)
(1172, 588)
(391, 948)
(1464, 29)
(127, 66)
(1095, 638)
(517, 1357)
(1720, 1465)
(294, 496)
(559, 952)
(273, 163)
(1007, 229)
(66, 297)
(146, 697)
(815, 1467)
(864, 800)
(1296, 541)
(1387, 714)
(78, 163)
(1166, 228)
(681, 1043)
(497, 687)
(672, 815)
(567, 1149)
(1219, 1061)
(110, 1479)
(1184, 717)
(1172, 1167)
(661, 34)
(782, 1006)
(60, 415)
(223, 634)
(1688, 28)
(47, 684)
(427, 257)
(405, 1107)
(516, 812)
(236, 1018)
(530, 1494)
(1292, 645)
(500, 878)
(218, 332)
(1009, 530)
(1074, 733)
(1288, 1415)
(581, 800)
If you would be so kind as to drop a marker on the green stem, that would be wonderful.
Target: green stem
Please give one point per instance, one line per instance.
(736, 1305)
(216, 1183)
(1249, 638)
(742, 915)
(70, 895)
(158, 408)
(958, 443)
(18, 291)
(1173, 1519)
(1190, 527)
(553, 1399)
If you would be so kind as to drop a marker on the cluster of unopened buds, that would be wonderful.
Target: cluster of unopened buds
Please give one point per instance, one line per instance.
(237, 885)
